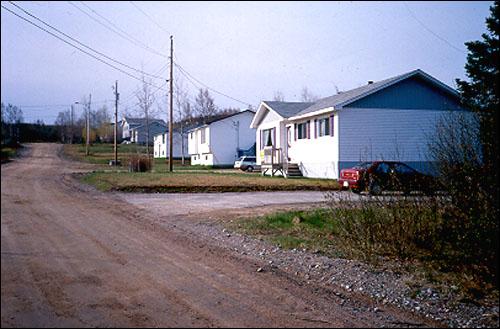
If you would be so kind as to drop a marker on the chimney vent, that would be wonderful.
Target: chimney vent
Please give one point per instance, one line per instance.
(370, 82)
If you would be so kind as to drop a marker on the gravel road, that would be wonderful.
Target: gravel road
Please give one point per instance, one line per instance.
(72, 256)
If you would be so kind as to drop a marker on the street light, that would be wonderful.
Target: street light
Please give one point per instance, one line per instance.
(87, 124)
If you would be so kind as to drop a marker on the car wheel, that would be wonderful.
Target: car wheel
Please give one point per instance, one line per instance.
(375, 188)
(249, 168)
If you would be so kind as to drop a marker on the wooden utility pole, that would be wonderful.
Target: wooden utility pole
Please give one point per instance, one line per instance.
(72, 115)
(88, 127)
(170, 123)
(117, 95)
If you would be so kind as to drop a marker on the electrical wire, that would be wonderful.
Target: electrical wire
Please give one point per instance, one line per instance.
(115, 29)
(82, 44)
(149, 17)
(76, 47)
(432, 32)
(189, 77)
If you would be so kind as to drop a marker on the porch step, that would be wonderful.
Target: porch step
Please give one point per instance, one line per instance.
(294, 170)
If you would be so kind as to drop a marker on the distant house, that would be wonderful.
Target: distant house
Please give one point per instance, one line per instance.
(221, 140)
(135, 129)
(180, 142)
(392, 119)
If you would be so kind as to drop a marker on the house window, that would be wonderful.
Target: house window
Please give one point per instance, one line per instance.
(323, 127)
(268, 137)
(163, 138)
(302, 130)
(203, 135)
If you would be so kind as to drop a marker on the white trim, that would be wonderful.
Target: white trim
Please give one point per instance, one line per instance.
(318, 112)
(253, 124)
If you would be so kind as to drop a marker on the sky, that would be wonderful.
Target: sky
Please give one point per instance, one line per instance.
(245, 50)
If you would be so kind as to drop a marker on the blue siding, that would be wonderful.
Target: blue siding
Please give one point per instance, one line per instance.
(413, 93)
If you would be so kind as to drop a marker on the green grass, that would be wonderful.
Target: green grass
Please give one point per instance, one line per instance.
(312, 230)
(200, 181)
(411, 233)
(184, 178)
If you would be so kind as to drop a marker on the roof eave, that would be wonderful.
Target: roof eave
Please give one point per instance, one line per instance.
(311, 114)
(257, 116)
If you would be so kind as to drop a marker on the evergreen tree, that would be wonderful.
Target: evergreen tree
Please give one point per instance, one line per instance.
(481, 94)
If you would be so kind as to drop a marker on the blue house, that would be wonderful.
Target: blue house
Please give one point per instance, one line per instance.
(392, 119)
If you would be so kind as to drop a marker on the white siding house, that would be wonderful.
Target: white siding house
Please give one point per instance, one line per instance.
(161, 145)
(218, 142)
(393, 119)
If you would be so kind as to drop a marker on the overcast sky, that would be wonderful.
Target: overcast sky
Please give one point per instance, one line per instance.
(246, 50)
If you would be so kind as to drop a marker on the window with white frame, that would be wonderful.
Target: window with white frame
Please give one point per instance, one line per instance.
(323, 127)
(302, 130)
(268, 137)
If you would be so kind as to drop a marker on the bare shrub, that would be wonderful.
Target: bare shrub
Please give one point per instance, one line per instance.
(394, 226)
(140, 163)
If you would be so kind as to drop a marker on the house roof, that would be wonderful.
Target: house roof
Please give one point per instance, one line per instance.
(287, 109)
(136, 122)
(350, 96)
(219, 118)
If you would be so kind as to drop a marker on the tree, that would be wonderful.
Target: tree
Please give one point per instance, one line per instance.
(481, 94)
(278, 96)
(204, 104)
(183, 111)
(12, 116)
(307, 96)
(466, 151)
(63, 123)
(145, 101)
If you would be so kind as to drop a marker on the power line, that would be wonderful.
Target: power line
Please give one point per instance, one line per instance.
(74, 46)
(149, 17)
(82, 44)
(432, 32)
(115, 29)
(189, 76)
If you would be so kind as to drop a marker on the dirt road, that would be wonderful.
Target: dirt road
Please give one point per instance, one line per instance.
(70, 257)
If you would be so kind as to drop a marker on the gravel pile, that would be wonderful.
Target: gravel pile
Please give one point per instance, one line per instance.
(387, 286)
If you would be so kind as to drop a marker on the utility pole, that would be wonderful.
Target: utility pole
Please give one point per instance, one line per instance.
(88, 127)
(117, 95)
(72, 114)
(170, 123)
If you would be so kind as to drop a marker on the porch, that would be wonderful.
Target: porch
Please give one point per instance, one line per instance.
(275, 163)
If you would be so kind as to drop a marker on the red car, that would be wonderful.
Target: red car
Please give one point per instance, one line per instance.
(378, 176)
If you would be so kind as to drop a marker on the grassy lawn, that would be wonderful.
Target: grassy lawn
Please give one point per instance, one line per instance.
(313, 230)
(184, 178)
(185, 181)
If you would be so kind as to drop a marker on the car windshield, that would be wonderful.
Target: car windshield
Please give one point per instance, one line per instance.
(363, 165)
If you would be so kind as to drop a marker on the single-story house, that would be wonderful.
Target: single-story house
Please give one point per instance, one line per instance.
(393, 119)
(220, 140)
(162, 145)
(135, 129)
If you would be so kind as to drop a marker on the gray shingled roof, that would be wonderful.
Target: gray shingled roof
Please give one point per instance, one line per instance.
(353, 94)
(142, 121)
(287, 109)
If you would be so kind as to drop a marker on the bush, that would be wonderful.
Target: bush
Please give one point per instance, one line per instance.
(140, 163)
(387, 226)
